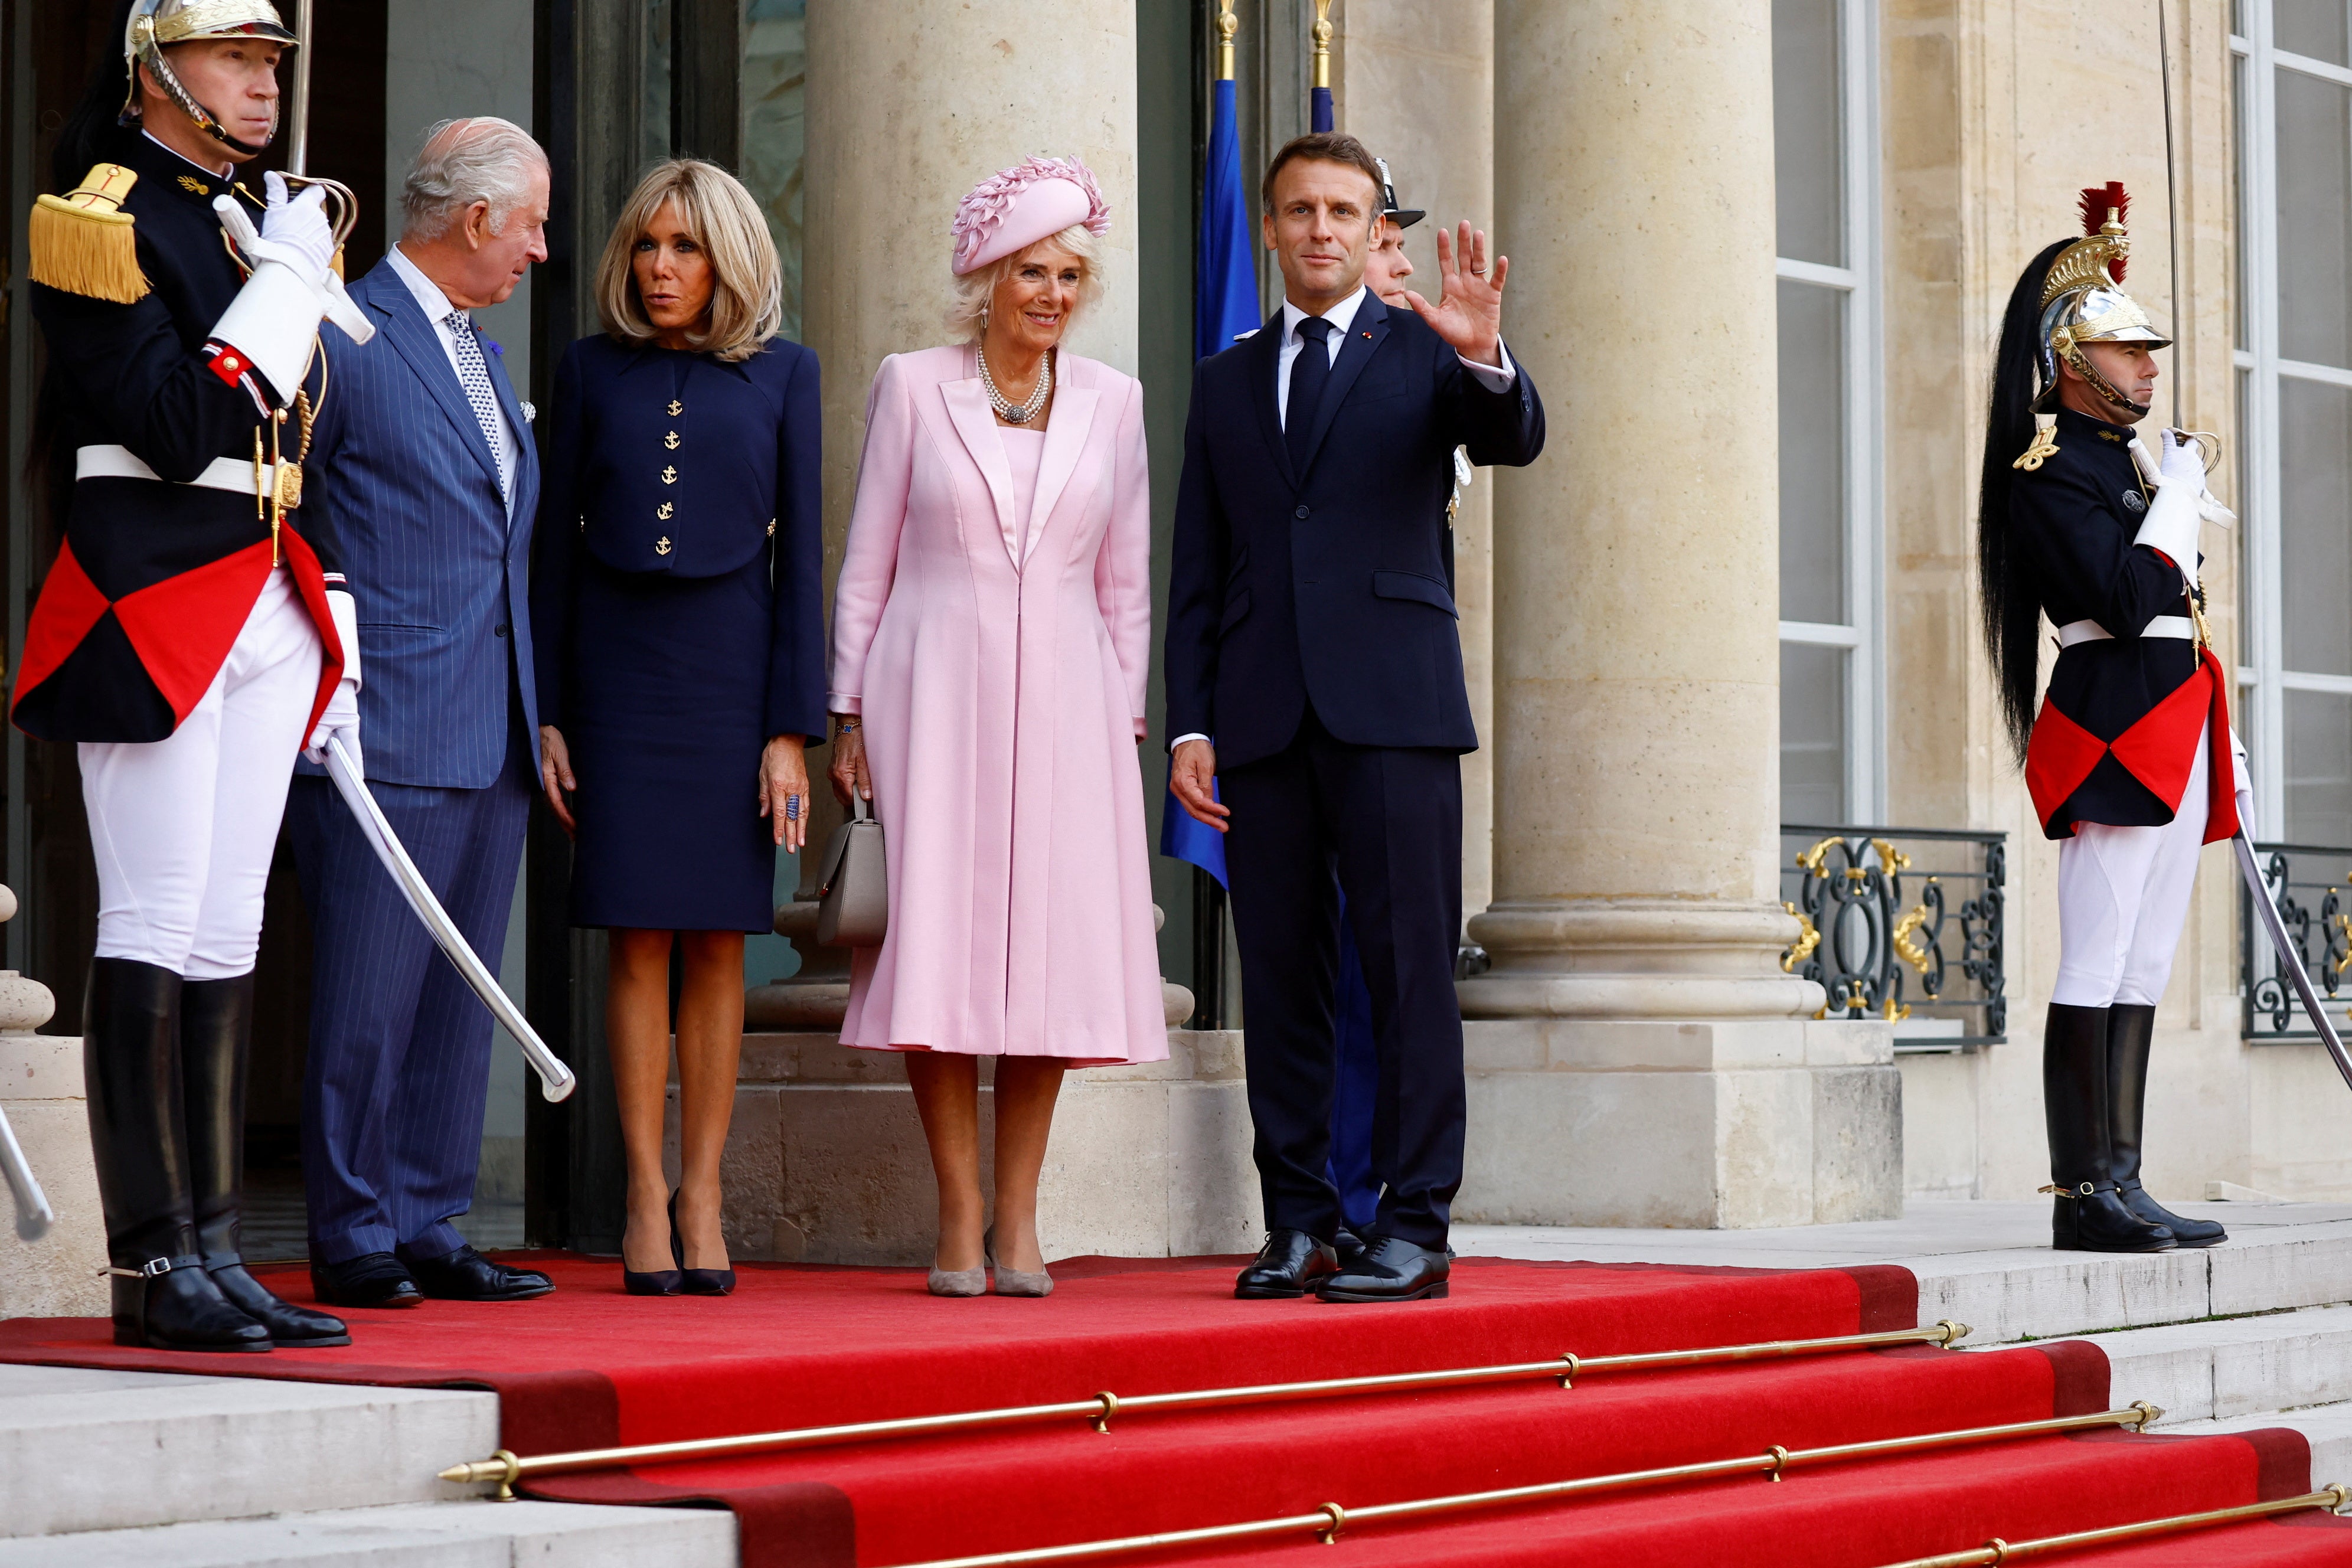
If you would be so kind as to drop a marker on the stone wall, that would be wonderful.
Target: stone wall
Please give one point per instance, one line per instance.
(825, 1160)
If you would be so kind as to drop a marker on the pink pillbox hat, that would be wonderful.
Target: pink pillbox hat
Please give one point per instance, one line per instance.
(1014, 208)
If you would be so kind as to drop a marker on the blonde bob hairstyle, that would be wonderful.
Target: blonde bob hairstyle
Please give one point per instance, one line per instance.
(974, 290)
(746, 295)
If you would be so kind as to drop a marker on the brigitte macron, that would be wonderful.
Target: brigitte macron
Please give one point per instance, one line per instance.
(677, 587)
(991, 632)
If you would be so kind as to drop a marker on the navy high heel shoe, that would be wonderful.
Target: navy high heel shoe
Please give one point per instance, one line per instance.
(696, 1281)
(656, 1281)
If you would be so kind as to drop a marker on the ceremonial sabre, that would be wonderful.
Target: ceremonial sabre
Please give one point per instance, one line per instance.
(556, 1080)
(2290, 960)
(33, 1212)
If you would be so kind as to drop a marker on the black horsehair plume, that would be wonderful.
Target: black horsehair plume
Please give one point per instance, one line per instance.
(2101, 203)
(2005, 592)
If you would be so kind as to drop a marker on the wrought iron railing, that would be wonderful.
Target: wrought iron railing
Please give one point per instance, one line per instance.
(2310, 885)
(1928, 960)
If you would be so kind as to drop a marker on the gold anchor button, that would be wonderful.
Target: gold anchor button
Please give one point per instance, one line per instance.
(675, 409)
(669, 476)
(661, 545)
(663, 512)
(670, 440)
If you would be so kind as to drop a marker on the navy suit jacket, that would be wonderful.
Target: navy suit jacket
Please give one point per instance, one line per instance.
(402, 479)
(1329, 585)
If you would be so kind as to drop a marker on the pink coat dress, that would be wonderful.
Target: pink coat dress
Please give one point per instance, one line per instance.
(997, 663)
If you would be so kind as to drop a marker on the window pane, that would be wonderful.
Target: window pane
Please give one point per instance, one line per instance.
(1806, 118)
(2316, 525)
(2315, 218)
(2318, 769)
(1812, 733)
(2237, 192)
(775, 81)
(2240, 474)
(1812, 453)
(2313, 28)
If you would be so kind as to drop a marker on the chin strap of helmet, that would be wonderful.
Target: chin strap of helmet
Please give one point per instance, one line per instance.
(2109, 392)
(149, 56)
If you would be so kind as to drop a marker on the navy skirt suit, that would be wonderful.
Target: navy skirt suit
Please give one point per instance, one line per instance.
(677, 586)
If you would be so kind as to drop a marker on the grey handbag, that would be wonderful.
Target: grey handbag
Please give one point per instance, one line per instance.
(853, 901)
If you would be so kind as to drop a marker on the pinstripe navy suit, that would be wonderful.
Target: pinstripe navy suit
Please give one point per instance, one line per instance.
(400, 1048)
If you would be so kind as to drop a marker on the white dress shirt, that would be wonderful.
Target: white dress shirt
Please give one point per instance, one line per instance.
(437, 308)
(1494, 378)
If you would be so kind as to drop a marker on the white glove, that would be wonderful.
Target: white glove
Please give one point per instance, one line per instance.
(2179, 462)
(2170, 525)
(295, 231)
(342, 717)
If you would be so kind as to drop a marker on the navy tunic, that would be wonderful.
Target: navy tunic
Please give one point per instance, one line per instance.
(677, 586)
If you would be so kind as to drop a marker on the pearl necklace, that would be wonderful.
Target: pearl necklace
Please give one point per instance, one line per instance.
(1014, 413)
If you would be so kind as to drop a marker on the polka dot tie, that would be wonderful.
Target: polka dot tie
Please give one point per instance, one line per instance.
(474, 375)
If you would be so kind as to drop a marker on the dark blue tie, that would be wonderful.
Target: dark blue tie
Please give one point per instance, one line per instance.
(1308, 373)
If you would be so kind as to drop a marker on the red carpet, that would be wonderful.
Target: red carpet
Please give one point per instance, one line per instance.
(807, 1346)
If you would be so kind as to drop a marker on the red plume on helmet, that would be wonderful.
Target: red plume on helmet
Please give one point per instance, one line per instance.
(2102, 205)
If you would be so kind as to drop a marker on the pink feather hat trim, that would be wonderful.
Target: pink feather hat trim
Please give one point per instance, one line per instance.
(1014, 208)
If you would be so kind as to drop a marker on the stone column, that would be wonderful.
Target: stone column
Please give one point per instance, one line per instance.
(1636, 930)
(61, 1275)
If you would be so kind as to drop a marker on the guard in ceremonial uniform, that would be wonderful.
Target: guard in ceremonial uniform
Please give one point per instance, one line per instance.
(189, 638)
(2131, 761)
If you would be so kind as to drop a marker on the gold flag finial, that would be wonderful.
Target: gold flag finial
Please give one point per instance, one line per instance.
(1323, 43)
(1227, 25)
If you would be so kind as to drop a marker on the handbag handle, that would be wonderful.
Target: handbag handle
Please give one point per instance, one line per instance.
(860, 809)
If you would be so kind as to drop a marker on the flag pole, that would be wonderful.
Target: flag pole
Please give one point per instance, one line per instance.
(2172, 203)
(1319, 101)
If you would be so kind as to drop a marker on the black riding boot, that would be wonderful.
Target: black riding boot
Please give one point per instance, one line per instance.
(2131, 1027)
(138, 1133)
(215, 1039)
(2089, 1215)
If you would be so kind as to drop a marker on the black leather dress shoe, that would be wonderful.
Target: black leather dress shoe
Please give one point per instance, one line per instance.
(370, 1279)
(466, 1275)
(1390, 1270)
(1287, 1267)
(1347, 1245)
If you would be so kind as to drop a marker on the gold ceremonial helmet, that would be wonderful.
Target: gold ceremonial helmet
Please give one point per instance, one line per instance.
(156, 25)
(2083, 301)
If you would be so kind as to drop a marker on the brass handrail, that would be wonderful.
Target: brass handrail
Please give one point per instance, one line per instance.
(506, 1467)
(2331, 1498)
(1331, 1518)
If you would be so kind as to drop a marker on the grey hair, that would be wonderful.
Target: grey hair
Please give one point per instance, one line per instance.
(975, 289)
(479, 159)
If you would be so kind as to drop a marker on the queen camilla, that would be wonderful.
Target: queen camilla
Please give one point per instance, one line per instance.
(992, 634)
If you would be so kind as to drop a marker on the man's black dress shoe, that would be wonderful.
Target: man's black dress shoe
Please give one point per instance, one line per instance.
(466, 1275)
(370, 1279)
(1287, 1267)
(1347, 1245)
(1390, 1270)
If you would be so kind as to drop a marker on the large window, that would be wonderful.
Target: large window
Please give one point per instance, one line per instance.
(1823, 121)
(2293, 83)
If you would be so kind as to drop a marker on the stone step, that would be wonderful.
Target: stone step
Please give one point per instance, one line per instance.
(2327, 1427)
(470, 1534)
(2228, 1368)
(1990, 1265)
(73, 1441)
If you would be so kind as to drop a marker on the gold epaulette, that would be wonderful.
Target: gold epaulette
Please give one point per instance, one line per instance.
(2044, 448)
(84, 243)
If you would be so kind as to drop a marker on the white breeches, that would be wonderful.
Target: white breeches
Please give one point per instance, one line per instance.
(183, 828)
(2123, 895)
